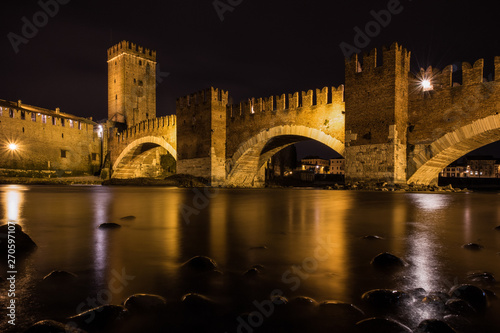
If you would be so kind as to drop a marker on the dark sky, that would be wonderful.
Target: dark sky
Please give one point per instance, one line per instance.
(260, 49)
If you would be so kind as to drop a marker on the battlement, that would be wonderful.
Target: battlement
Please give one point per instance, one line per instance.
(285, 102)
(392, 58)
(147, 126)
(443, 79)
(208, 95)
(130, 48)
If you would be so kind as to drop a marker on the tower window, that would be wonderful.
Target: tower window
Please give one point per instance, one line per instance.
(116, 97)
(33, 117)
(140, 83)
(140, 62)
(63, 153)
(135, 80)
(23, 115)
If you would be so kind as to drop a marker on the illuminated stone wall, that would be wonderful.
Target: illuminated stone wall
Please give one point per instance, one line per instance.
(47, 140)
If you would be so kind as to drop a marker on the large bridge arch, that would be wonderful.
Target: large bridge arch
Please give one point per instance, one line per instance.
(137, 152)
(427, 163)
(247, 163)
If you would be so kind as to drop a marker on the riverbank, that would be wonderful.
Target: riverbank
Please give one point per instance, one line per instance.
(81, 180)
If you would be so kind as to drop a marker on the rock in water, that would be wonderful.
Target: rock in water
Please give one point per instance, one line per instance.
(200, 264)
(472, 247)
(388, 260)
(128, 218)
(251, 273)
(109, 226)
(434, 326)
(340, 311)
(385, 298)
(24, 243)
(478, 276)
(497, 228)
(144, 303)
(59, 277)
(51, 326)
(381, 325)
(102, 318)
(373, 237)
(459, 307)
(475, 296)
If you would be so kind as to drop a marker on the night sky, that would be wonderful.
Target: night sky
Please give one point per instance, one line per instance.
(261, 48)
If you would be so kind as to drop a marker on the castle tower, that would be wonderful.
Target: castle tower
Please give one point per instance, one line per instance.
(201, 135)
(131, 84)
(376, 104)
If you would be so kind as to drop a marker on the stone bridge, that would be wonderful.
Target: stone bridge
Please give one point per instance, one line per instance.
(136, 152)
(386, 123)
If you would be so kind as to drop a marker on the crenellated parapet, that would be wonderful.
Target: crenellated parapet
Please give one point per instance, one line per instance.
(394, 58)
(150, 126)
(130, 48)
(204, 97)
(287, 102)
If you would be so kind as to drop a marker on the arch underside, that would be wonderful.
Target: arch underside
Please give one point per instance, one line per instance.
(141, 158)
(432, 160)
(246, 168)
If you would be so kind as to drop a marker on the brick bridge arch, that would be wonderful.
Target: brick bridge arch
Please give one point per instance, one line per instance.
(139, 152)
(429, 162)
(245, 168)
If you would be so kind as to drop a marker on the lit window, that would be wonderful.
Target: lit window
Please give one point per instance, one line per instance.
(44, 119)
(54, 120)
(33, 117)
(71, 123)
(11, 113)
(79, 125)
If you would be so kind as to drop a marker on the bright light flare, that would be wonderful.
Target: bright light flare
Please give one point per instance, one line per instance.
(426, 85)
(12, 147)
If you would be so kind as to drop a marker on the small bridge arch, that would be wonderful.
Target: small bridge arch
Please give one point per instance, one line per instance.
(129, 162)
(429, 161)
(245, 168)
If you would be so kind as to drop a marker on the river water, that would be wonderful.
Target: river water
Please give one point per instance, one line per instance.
(309, 242)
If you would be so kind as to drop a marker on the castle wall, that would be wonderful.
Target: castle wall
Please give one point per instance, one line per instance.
(44, 143)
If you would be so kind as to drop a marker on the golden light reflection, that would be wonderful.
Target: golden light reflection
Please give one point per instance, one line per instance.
(218, 229)
(171, 241)
(13, 199)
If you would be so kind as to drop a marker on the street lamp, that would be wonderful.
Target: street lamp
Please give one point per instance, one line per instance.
(12, 146)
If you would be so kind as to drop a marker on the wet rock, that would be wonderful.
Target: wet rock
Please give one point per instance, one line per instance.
(372, 237)
(302, 306)
(279, 300)
(259, 267)
(478, 276)
(144, 303)
(458, 322)
(340, 311)
(475, 296)
(251, 273)
(200, 264)
(388, 260)
(59, 277)
(381, 325)
(109, 226)
(497, 228)
(24, 243)
(385, 298)
(490, 294)
(459, 307)
(472, 246)
(127, 218)
(417, 293)
(434, 326)
(51, 326)
(101, 318)
(259, 248)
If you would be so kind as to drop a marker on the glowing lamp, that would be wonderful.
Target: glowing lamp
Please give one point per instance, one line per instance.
(426, 85)
(12, 146)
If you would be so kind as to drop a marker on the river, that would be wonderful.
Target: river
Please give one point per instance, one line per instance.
(308, 241)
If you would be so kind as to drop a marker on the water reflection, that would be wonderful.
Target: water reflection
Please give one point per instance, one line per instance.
(101, 201)
(13, 200)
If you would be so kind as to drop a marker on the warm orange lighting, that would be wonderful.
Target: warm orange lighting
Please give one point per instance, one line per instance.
(12, 146)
